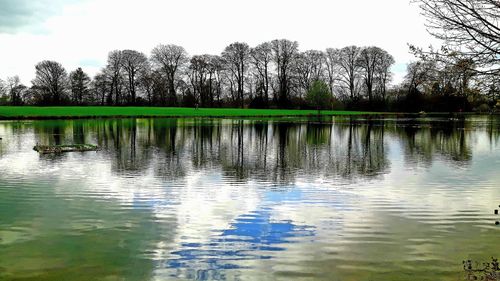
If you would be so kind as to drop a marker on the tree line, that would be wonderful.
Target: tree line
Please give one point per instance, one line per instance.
(272, 74)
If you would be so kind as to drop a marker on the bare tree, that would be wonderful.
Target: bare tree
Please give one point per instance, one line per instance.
(100, 87)
(309, 67)
(113, 71)
(463, 71)
(79, 82)
(14, 90)
(418, 73)
(216, 66)
(146, 81)
(284, 53)
(160, 88)
(470, 30)
(52, 81)
(229, 82)
(347, 59)
(199, 75)
(237, 56)
(332, 67)
(170, 58)
(383, 74)
(133, 62)
(369, 59)
(261, 60)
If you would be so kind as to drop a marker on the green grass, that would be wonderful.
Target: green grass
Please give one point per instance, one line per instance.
(31, 112)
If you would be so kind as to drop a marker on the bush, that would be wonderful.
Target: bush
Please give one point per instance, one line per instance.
(319, 96)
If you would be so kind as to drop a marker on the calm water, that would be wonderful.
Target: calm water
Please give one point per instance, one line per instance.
(186, 199)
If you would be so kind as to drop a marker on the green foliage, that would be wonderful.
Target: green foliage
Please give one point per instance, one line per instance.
(319, 95)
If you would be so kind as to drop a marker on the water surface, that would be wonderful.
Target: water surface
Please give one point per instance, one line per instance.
(279, 199)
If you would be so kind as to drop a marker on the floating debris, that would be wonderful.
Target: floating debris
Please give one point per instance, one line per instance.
(488, 271)
(44, 149)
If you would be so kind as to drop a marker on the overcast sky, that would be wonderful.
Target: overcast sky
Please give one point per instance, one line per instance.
(82, 32)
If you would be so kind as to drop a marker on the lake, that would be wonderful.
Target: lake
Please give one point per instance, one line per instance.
(271, 199)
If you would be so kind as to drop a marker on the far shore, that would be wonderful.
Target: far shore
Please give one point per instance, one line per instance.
(88, 112)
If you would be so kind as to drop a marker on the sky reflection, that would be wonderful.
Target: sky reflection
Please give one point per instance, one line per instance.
(266, 200)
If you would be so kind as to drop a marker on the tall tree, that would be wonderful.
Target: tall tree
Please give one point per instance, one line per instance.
(100, 86)
(369, 59)
(14, 89)
(79, 82)
(383, 72)
(261, 60)
(332, 67)
(199, 75)
(284, 53)
(160, 88)
(216, 66)
(113, 71)
(237, 56)
(170, 58)
(146, 82)
(133, 62)
(347, 60)
(52, 81)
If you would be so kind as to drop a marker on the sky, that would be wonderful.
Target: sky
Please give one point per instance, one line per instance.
(81, 33)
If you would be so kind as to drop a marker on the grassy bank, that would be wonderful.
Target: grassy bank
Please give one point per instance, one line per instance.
(31, 112)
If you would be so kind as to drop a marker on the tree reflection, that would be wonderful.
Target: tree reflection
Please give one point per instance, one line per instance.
(493, 130)
(359, 150)
(422, 141)
(271, 151)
